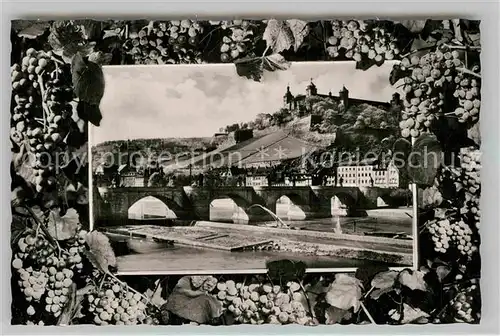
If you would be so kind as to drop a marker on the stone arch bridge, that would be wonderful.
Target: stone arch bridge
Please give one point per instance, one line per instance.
(111, 205)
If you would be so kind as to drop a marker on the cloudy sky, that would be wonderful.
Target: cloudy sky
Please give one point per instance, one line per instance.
(196, 100)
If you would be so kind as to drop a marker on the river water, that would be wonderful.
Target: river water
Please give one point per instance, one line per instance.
(178, 259)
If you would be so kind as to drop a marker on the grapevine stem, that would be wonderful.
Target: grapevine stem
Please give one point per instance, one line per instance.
(102, 282)
(447, 305)
(132, 289)
(467, 71)
(307, 298)
(367, 313)
(57, 61)
(45, 108)
(462, 47)
(209, 34)
(415, 51)
(265, 51)
(369, 292)
(44, 229)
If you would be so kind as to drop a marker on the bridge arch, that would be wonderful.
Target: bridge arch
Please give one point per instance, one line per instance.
(237, 209)
(341, 203)
(291, 206)
(171, 204)
(151, 206)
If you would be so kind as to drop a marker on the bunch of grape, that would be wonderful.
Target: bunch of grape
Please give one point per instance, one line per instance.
(359, 41)
(258, 304)
(237, 43)
(468, 93)
(116, 304)
(452, 232)
(45, 274)
(460, 228)
(167, 42)
(429, 78)
(462, 305)
(469, 178)
(42, 114)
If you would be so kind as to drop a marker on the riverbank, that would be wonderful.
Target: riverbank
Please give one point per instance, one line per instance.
(316, 249)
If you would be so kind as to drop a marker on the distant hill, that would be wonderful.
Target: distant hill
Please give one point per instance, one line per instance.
(180, 147)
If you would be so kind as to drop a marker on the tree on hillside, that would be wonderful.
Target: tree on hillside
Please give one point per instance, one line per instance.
(157, 180)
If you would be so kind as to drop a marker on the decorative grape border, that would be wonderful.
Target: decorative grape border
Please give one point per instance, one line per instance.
(62, 274)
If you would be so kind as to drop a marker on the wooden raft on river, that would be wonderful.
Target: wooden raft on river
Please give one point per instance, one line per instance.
(198, 237)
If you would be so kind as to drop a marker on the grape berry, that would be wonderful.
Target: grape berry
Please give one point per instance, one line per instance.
(168, 42)
(358, 40)
(43, 114)
(116, 304)
(433, 83)
(459, 228)
(258, 304)
(45, 274)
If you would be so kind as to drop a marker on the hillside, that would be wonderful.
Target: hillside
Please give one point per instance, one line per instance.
(364, 126)
(152, 148)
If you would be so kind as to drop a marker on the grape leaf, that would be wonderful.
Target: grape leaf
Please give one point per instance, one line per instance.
(397, 73)
(414, 26)
(412, 279)
(285, 270)
(100, 58)
(474, 133)
(253, 67)
(299, 29)
(30, 29)
(418, 44)
(383, 283)
(100, 252)
(431, 197)
(66, 40)
(425, 159)
(18, 226)
(193, 305)
(90, 29)
(88, 84)
(442, 272)
(278, 36)
(155, 297)
(473, 39)
(365, 63)
(335, 315)
(63, 227)
(22, 163)
(412, 315)
(366, 273)
(313, 292)
(345, 292)
(88, 80)
(282, 35)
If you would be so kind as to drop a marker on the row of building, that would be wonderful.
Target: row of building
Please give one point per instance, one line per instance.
(256, 157)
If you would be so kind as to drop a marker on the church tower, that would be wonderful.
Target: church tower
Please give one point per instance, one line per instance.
(344, 97)
(311, 90)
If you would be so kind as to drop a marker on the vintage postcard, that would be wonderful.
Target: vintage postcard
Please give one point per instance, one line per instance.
(251, 172)
(245, 171)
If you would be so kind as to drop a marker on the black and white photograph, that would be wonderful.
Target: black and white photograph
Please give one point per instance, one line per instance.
(189, 171)
(219, 173)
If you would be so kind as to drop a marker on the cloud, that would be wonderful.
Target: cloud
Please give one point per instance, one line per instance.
(189, 101)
